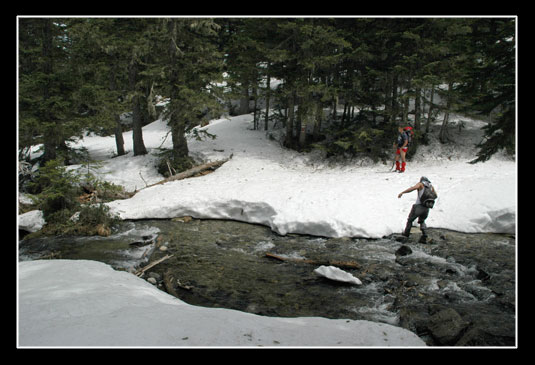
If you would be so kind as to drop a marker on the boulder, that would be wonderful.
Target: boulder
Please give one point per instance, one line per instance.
(31, 221)
(446, 326)
(403, 251)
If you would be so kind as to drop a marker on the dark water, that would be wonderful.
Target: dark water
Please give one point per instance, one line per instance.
(219, 263)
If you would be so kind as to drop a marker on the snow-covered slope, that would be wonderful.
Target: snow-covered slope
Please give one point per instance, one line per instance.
(298, 193)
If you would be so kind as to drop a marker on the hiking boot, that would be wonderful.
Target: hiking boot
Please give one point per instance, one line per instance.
(423, 239)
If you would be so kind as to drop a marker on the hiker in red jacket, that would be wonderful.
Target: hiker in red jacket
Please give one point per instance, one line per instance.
(402, 145)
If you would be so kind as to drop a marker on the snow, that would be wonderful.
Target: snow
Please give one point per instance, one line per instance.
(82, 303)
(294, 192)
(336, 274)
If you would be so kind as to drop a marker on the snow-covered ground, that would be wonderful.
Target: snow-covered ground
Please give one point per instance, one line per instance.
(299, 193)
(83, 303)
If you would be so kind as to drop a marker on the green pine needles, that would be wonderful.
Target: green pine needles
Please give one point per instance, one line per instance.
(68, 207)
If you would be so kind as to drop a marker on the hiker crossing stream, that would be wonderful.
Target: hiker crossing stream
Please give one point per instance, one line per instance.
(456, 289)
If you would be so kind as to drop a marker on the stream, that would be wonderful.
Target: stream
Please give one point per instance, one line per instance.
(457, 289)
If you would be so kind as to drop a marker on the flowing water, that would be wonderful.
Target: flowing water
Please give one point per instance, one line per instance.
(218, 263)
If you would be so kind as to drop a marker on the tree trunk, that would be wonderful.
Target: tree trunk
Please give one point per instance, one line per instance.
(406, 101)
(50, 136)
(344, 114)
(405, 109)
(318, 120)
(178, 131)
(244, 101)
(417, 108)
(255, 114)
(176, 121)
(341, 264)
(268, 94)
(388, 98)
(443, 135)
(137, 128)
(335, 105)
(137, 132)
(430, 110)
(394, 100)
(192, 172)
(119, 140)
(290, 122)
(306, 111)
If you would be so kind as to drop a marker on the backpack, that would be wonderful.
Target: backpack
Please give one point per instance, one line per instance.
(410, 133)
(428, 196)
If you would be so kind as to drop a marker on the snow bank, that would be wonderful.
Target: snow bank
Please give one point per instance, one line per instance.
(296, 193)
(292, 193)
(83, 303)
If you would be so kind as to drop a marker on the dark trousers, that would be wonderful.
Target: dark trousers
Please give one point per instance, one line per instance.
(420, 212)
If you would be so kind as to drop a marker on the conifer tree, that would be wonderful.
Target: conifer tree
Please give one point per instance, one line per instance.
(101, 55)
(491, 83)
(83, 73)
(46, 109)
(191, 66)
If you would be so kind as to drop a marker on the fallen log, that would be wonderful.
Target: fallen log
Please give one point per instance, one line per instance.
(192, 172)
(340, 264)
(141, 271)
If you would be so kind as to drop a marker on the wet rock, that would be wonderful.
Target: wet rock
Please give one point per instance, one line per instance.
(403, 251)
(413, 279)
(415, 319)
(446, 326)
(488, 333)
(482, 275)
(400, 238)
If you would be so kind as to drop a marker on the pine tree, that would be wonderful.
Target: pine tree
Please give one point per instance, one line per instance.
(83, 73)
(191, 65)
(101, 57)
(46, 86)
(491, 83)
(239, 42)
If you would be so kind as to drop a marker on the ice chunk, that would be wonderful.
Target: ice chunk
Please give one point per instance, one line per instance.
(334, 273)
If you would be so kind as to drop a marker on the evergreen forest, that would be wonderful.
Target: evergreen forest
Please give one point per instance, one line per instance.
(81, 74)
